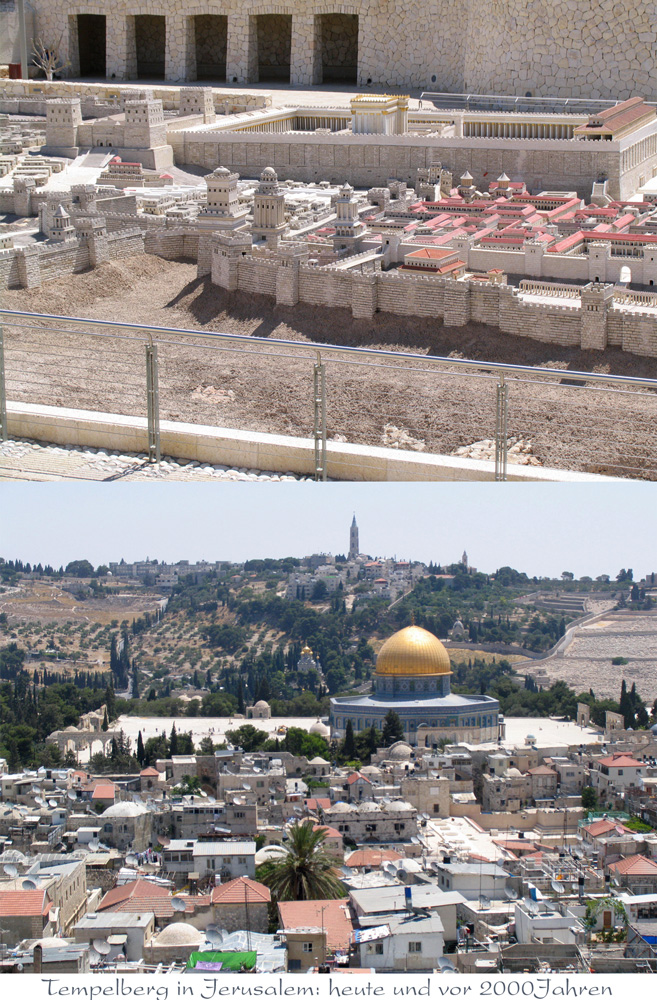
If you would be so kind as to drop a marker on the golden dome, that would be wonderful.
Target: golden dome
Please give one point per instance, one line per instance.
(306, 651)
(411, 652)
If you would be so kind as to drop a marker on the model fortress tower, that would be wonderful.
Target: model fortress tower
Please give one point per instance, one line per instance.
(268, 209)
(223, 212)
(63, 115)
(144, 122)
(353, 541)
(349, 230)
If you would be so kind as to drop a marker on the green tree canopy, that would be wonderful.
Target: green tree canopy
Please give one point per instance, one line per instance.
(304, 870)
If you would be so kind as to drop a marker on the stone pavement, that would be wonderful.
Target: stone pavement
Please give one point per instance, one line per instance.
(29, 460)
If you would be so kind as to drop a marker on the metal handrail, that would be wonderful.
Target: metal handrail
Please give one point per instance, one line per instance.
(484, 367)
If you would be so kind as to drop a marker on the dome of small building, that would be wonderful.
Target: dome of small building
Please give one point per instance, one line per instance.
(320, 729)
(179, 933)
(342, 807)
(221, 172)
(272, 852)
(261, 704)
(412, 652)
(125, 810)
(400, 751)
(268, 174)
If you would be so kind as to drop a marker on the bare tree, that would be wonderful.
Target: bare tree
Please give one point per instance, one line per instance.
(48, 59)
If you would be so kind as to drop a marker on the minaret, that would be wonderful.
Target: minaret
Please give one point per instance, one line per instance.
(464, 559)
(353, 540)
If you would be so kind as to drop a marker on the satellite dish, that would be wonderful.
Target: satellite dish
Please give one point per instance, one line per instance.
(39, 801)
(101, 946)
(72, 796)
(132, 860)
(36, 789)
(178, 904)
(29, 884)
(484, 902)
(94, 958)
(203, 794)
(558, 887)
(10, 870)
(511, 894)
(532, 907)
(93, 846)
(53, 803)
(214, 935)
(163, 841)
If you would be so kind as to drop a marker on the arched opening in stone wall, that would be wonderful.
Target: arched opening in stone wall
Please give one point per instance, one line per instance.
(211, 40)
(339, 47)
(274, 33)
(91, 44)
(150, 40)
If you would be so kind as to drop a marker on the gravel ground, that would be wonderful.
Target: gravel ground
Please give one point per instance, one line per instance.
(560, 426)
(20, 459)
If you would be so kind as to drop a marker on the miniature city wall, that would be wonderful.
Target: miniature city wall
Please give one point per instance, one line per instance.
(32, 95)
(577, 48)
(588, 317)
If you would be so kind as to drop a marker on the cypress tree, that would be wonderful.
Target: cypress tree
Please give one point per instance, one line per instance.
(349, 745)
(393, 730)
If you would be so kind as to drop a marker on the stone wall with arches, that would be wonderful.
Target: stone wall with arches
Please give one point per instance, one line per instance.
(567, 48)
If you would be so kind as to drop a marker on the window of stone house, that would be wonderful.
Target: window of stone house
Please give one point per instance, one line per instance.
(227, 861)
(620, 771)
(414, 947)
(378, 948)
(307, 946)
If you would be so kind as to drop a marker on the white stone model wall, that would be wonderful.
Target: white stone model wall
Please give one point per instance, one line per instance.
(589, 48)
(568, 321)
(30, 266)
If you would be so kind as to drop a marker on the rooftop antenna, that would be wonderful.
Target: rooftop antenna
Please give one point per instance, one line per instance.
(101, 946)
(10, 870)
(178, 904)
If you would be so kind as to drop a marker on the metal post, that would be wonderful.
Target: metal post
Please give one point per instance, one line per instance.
(22, 39)
(319, 372)
(153, 402)
(3, 392)
(501, 443)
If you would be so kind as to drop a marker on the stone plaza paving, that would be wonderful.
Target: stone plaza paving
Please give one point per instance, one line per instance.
(29, 460)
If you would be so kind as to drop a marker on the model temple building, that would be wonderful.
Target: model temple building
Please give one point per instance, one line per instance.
(413, 679)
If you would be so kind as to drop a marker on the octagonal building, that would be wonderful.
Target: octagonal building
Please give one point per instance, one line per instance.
(412, 678)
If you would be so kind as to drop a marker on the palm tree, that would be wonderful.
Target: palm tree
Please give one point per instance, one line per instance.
(303, 870)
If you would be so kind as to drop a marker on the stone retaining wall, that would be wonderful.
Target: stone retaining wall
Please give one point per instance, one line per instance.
(568, 48)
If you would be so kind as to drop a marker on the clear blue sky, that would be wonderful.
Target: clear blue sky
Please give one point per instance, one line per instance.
(586, 529)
